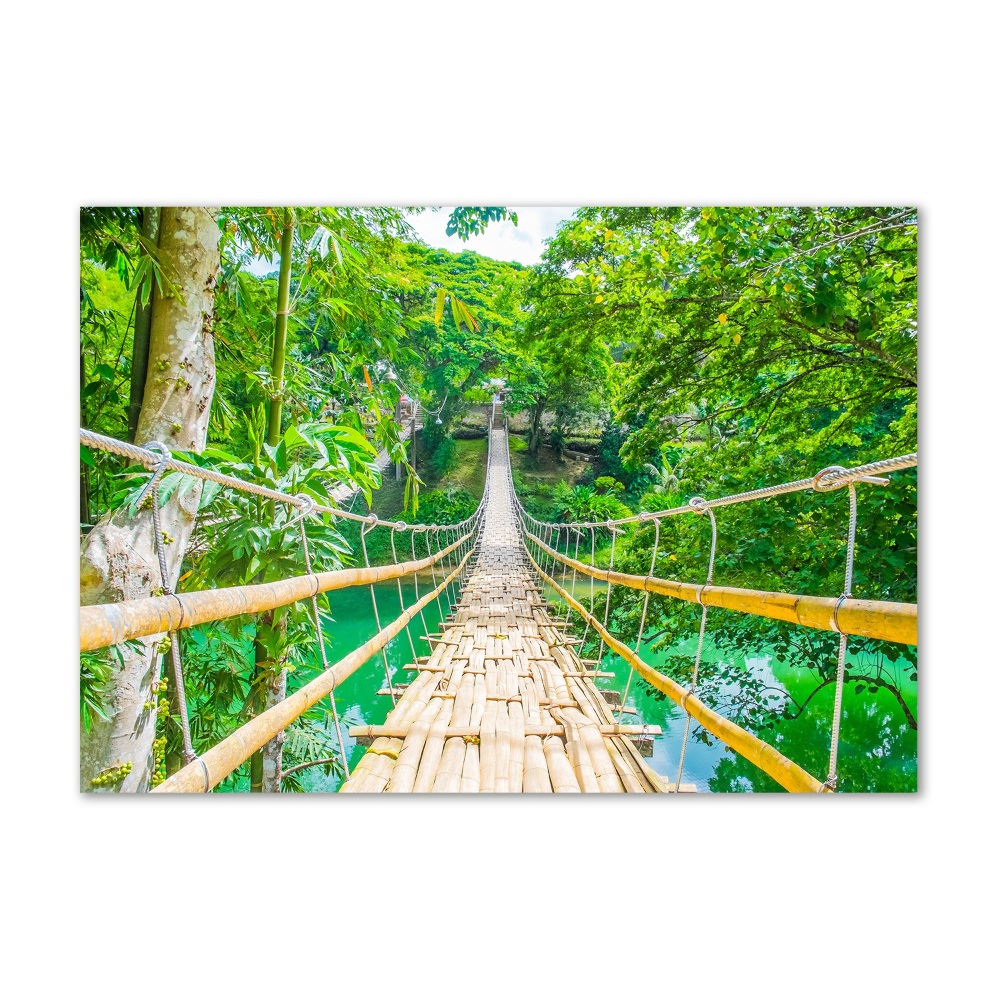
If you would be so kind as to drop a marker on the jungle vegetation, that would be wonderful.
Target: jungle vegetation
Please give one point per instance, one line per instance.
(689, 351)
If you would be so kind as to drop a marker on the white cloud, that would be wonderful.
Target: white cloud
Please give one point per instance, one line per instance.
(523, 243)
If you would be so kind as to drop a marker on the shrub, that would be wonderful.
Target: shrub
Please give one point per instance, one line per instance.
(448, 506)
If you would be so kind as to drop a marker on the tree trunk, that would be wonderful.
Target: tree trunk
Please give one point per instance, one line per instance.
(535, 437)
(118, 558)
(274, 692)
(140, 339)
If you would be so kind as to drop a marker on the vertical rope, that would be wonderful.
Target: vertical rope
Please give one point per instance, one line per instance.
(642, 620)
(564, 567)
(399, 587)
(434, 574)
(576, 556)
(698, 504)
(838, 698)
(593, 544)
(153, 489)
(416, 586)
(607, 603)
(378, 624)
(322, 650)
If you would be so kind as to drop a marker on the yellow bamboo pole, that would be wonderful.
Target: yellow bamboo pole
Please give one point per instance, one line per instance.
(889, 620)
(106, 624)
(213, 765)
(787, 773)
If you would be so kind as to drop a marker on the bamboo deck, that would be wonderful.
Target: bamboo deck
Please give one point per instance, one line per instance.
(504, 703)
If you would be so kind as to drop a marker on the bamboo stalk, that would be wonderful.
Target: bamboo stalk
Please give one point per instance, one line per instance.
(515, 773)
(430, 760)
(889, 620)
(590, 737)
(488, 747)
(536, 771)
(449, 777)
(561, 773)
(501, 781)
(577, 753)
(405, 771)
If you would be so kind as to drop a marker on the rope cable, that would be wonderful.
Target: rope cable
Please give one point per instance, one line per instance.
(698, 504)
(642, 620)
(320, 639)
(378, 624)
(152, 488)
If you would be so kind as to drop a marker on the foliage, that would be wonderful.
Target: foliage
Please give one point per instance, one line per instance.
(465, 222)
(446, 506)
(608, 484)
(584, 503)
(756, 346)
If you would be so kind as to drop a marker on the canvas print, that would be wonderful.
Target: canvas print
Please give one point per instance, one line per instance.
(498, 499)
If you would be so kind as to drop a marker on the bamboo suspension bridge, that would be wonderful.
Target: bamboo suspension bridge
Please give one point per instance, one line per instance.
(504, 702)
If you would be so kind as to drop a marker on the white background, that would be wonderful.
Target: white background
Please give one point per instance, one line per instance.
(865, 103)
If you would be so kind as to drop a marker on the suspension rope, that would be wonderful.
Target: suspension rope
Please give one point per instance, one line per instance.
(698, 503)
(586, 630)
(151, 458)
(823, 481)
(416, 590)
(576, 558)
(642, 620)
(838, 698)
(319, 629)
(399, 586)
(378, 624)
(607, 602)
(152, 489)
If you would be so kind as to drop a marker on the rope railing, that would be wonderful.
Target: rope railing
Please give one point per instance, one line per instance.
(823, 482)
(228, 754)
(109, 624)
(151, 459)
(786, 772)
(845, 615)
(889, 620)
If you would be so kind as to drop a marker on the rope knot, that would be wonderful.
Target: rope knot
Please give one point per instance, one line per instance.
(305, 503)
(698, 504)
(158, 448)
(828, 471)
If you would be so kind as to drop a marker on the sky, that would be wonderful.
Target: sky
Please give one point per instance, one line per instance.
(523, 243)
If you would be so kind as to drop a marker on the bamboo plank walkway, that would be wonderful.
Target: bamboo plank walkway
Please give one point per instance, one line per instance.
(504, 703)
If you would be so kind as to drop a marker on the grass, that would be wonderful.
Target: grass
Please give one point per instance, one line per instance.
(468, 471)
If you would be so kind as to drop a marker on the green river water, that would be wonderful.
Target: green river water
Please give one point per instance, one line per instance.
(878, 750)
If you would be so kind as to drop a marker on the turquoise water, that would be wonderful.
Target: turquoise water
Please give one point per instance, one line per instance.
(878, 750)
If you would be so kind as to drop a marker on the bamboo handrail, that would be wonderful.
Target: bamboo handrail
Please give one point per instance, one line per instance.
(106, 624)
(227, 755)
(787, 773)
(890, 620)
